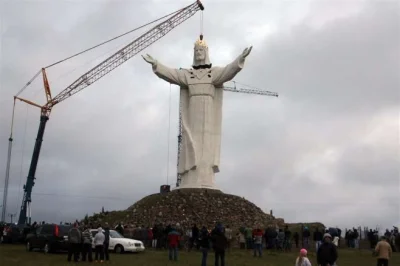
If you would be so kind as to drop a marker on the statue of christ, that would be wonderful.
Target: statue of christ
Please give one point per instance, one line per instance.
(201, 91)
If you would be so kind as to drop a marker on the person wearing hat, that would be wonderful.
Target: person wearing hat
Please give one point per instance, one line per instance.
(327, 253)
(302, 259)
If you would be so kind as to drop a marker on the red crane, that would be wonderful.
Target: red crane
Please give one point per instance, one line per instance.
(87, 79)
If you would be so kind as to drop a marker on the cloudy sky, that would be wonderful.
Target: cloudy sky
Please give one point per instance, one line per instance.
(326, 150)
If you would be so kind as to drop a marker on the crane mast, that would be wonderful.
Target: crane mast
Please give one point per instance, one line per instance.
(225, 88)
(88, 79)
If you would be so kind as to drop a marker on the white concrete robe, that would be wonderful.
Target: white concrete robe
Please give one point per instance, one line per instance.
(201, 104)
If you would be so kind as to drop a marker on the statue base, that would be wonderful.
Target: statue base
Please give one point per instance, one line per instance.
(205, 187)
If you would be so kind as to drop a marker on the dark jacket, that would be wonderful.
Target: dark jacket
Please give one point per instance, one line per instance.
(288, 234)
(106, 236)
(318, 236)
(120, 229)
(220, 242)
(306, 233)
(204, 240)
(75, 236)
(195, 232)
(327, 254)
(167, 229)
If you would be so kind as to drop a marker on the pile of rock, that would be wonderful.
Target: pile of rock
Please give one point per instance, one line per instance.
(188, 206)
(203, 207)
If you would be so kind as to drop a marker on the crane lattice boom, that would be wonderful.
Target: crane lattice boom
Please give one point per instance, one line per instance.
(251, 91)
(127, 52)
(86, 80)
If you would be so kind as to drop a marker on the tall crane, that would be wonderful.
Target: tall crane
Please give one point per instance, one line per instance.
(87, 79)
(225, 88)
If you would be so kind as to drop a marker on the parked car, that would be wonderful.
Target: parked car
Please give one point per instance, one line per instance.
(120, 244)
(13, 233)
(49, 238)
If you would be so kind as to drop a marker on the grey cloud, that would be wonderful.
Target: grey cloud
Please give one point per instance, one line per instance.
(112, 137)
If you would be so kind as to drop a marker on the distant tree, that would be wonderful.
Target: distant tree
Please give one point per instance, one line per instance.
(102, 209)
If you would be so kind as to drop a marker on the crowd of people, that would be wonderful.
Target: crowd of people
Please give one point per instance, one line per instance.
(326, 242)
(80, 243)
(221, 239)
(80, 240)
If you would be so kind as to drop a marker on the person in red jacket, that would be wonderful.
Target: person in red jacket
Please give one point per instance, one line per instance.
(173, 241)
(149, 237)
(258, 241)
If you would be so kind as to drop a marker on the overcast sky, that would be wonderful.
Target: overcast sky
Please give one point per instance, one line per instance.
(326, 150)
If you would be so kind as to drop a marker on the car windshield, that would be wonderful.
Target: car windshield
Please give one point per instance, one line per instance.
(115, 234)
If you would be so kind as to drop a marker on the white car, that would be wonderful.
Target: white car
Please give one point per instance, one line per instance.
(120, 244)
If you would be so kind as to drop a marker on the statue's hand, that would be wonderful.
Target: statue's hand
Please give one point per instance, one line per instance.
(149, 59)
(246, 52)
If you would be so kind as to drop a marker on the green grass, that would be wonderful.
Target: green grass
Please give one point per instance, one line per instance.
(16, 255)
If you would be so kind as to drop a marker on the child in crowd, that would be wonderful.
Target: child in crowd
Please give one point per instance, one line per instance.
(302, 259)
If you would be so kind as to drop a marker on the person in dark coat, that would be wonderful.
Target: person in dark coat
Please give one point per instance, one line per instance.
(220, 243)
(194, 238)
(287, 246)
(327, 252)
(296, 237)
(106, 242)
(317, 238)
(75, 243)
(167, 229)
(155, 236)
(120, 229)
(306, 237)
(204, 244)
(271, 236)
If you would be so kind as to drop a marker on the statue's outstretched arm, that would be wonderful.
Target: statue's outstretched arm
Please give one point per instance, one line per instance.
(171, 75)
(227, 73)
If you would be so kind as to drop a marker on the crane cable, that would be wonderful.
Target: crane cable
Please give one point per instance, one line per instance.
(93, 47)
(201, 23)
(117, 37)
(28, 83)
(22, 155)
(12, 120)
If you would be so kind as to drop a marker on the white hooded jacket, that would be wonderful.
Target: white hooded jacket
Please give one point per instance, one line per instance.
(99, 237)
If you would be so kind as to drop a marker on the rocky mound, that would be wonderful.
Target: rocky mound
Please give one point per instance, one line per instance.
(203, 207)
(200, 206)
(188, 206)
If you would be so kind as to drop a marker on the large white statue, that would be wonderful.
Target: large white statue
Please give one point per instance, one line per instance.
(201, 105)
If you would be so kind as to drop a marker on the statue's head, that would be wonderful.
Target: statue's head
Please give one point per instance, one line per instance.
(200, 55)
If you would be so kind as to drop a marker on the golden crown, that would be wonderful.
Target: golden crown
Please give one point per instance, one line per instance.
(201, 42)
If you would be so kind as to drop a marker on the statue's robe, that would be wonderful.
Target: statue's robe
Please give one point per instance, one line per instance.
(201, 96)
